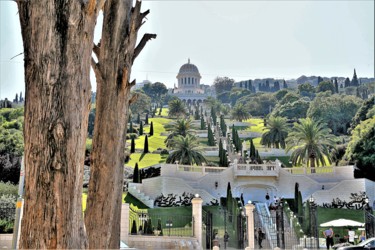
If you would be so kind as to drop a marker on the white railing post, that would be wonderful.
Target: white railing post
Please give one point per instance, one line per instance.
(197, 217)
(249, 208)
(124, 225)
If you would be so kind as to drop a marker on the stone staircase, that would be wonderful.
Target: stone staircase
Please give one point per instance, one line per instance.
(133, 190)
(268, 224)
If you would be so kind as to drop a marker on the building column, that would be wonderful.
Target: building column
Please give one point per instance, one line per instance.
(197, 217)
(250, 226)
(124, 225)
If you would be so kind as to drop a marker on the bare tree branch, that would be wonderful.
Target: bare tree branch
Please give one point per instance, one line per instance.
(96, 50)
(146, 37)
(95, 67)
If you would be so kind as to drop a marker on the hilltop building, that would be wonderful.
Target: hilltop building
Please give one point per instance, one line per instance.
(189, 88)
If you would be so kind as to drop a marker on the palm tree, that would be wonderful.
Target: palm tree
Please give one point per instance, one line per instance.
(186, 151)
(277, 131)
(176, 108)
(240, 113)
(311, 142)
(180, 127)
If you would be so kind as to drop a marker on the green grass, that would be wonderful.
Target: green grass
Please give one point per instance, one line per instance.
(164, 112)
(146, 160)
(328, 214)
(214, 159)
(257, 125)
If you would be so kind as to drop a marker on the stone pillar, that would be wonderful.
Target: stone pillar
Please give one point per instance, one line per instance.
(124, 227)
(250, 226)
(197, 215)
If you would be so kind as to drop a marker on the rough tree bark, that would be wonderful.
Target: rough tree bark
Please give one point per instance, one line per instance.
(57, 39)
(115, 53)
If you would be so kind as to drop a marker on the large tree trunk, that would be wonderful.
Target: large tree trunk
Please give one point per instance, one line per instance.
(57, 39)
(116, 53)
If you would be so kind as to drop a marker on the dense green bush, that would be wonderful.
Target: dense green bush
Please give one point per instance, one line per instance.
(6, 227)
(8, 188)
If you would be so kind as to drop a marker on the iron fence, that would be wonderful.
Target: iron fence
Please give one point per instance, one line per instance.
(147, 222)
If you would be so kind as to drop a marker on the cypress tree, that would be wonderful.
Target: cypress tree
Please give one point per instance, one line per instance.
(196, 114)
(225, 157)
(134, 228)
(132, 145)
(146, 120)
(141, 128)
(296, 186)
(221, 157)
(159, 228)
(213, 115)
(203, 124)
(136, 174)
(211, 140)
(336, 86)
(160, 110)
(151, 129)
(300, 207)
(138, 118)
(252, 149)
(229, 197)
(131, 127)
(354, 80)
(149, 227)
(145, 148)
(145, 227)
(307, 219)
(258, 159)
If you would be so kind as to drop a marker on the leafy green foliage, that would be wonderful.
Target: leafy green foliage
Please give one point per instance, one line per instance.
(223, 84)
(310, 142)
(276, 132)
(180, 127)
(292, 110)
(141, 104)
(176, 108)
(306, 89)
(361, 149)
(155, 90)
(7, 188)
(237, 93)
(362, 113)
(240, 112)
(326, 86)
(290, 97)
(259, 104)
(186, 151)
(335, 110)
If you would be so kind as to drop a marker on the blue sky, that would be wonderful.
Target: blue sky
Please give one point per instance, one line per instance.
(239, 39)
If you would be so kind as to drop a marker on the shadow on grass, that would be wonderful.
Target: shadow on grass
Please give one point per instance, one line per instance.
(142, 155)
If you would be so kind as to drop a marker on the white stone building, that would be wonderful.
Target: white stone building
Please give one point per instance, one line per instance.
(189, 88)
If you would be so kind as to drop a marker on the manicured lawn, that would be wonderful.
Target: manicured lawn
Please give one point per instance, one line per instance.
(258, 125)
(146, 160)
(214, 159)
(328, 214)
(155, 141)
(164, 112)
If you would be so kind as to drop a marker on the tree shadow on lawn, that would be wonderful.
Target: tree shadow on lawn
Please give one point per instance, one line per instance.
(142, 155)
